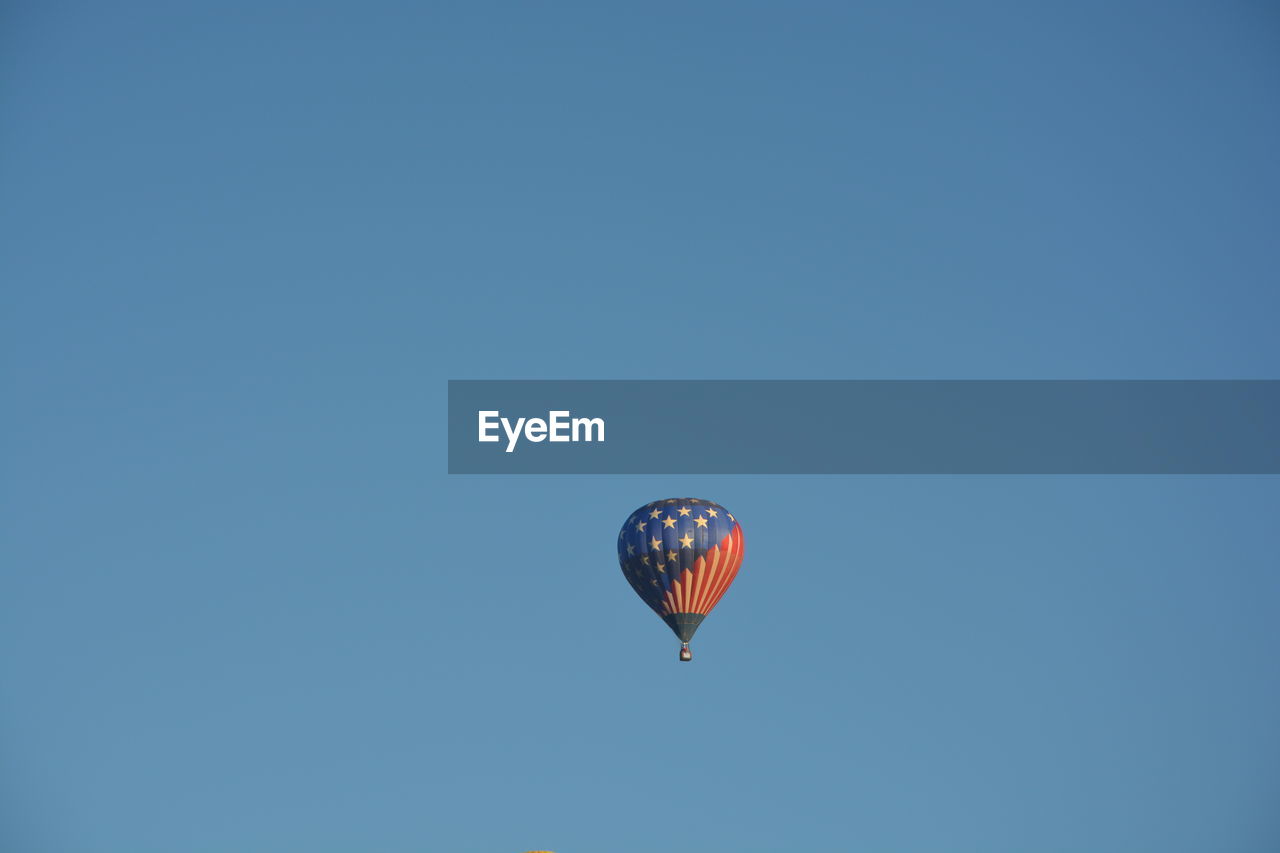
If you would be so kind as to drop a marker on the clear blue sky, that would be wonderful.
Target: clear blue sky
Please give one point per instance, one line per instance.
(244, 609)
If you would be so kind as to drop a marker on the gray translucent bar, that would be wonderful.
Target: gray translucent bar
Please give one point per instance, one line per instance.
(877, 427)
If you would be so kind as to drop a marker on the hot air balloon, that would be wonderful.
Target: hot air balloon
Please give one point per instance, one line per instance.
(680, 555)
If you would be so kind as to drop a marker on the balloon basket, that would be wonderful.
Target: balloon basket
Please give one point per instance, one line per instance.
(685, 654)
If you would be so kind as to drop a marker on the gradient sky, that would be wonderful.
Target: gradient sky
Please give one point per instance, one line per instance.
(245, 609)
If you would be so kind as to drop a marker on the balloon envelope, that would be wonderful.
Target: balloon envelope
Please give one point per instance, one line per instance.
(680, 555)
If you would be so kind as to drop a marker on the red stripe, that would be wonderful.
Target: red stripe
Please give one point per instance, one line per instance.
(732, 561)
(707, 579)
(700, 591)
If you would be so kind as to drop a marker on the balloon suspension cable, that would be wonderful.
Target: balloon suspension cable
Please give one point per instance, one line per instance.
(685, 654)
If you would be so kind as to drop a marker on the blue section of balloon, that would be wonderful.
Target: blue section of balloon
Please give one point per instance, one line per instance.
(663, 538)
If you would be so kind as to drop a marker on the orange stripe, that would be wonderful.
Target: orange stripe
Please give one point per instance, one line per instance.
(704, 579)
(709, 582)
(722, 565)
(699, 589)
(726, 565)
(699, 573)
(733, 559)
(738, 553)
